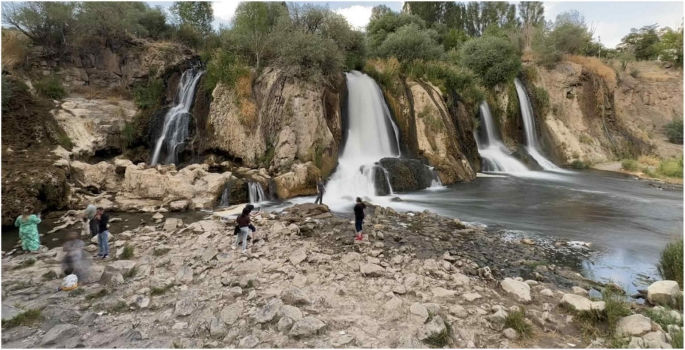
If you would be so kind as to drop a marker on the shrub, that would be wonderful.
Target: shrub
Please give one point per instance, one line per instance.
(671, 263)
(223, 67)
(314, 56)
(585, 139)
(629, 164)
(26, 318)
(541, 99)
(493, 59)
(662, 316)
(648, 160)
(671, 168)
(635, 73)
(148, 95)
(51, 87)
(161, 290)
(516, 319)
(410, 42)
(614, 308)
(674, 130)
(649, 172)
(677, 339)
(579, 164)
(128, 134)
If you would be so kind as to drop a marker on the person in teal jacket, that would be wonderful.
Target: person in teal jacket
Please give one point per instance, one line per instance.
(28, 230)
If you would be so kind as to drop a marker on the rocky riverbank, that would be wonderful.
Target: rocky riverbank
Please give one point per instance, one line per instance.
(416, 280)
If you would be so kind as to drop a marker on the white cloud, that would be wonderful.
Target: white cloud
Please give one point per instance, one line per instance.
(224, 10)
(358, 16)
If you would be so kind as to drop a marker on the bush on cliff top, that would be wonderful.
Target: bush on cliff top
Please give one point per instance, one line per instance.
(674, 130)
(493, 59)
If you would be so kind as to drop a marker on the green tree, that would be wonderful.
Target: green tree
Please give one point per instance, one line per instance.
(643, 41)
(350, 42)
(454, 39)
(253, 24)
(113, 20)
(379, 11)
(410, 42)
(50, 25)
(196, 14)
(532, 14)
(429, 11)
(492, 58)
(671, 46)
(378, 30)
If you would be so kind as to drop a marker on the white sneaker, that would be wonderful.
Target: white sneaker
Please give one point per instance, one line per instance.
(233, 247)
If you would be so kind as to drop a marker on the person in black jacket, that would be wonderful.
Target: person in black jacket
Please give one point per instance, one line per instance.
(103, 234)
(243, 222)
(320, 190)
(359, 218)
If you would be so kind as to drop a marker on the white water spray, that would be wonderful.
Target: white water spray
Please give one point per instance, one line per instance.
(496, 156)
(175, 130)
(372, 135)
(529, 126)
(256, 192)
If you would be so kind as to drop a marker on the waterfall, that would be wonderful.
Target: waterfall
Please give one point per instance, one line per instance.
(225, 196)
(435, 183)
(529, 126)
(496, 156)
(256, 192)
(372, 135)
(175, 129)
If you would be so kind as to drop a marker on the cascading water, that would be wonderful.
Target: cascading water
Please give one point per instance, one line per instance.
(225, 196)
(372, 135)
(435, 183)
(176, 121)
(529, 126)
(256, 192)
(496, 156)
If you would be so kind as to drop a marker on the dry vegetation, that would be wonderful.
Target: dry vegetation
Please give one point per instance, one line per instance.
(248, 109)
(596, 66)
(14, 48)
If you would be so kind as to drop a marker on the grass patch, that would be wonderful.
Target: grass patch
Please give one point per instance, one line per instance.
(677, 339)
(160, 252)
(596, 66)
(128, 134)
(131, 273)
(629, 165)
(127, 253)
(26, 318)
(648, 160)
(51, 87)
(579, 164)
(118, 307)
(585, 139)
(671, 168)
(147, 95)
(635, 73)
(516, 319)
(50, 275)
(76, 292)
(615, 308)
(662, 316)
(26, 263)
(534, 264)
(268, 156)
(101, 293)
(441, 339)
(671, 263)
(161, 290)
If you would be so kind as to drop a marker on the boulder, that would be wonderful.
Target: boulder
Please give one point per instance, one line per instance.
(291, 312)
(663, 292)
(171, 224)
(440, 292)
(458, 311)
(269, 311)
(217, 328)
(510, 334)
(301, 180)
(184, 275)
(633, 325)
(9, 312)
(579, 303)
(59, 333)
(295, 296)
(371, 270)
(305, 327)
(230, 314)
(248, 342)
(404, 175)
(184, 307)
(435, 327)
(419, 312)
(119, 267)
(298, 256)
(520, 290)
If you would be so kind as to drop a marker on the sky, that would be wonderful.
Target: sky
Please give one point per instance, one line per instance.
(611, 20)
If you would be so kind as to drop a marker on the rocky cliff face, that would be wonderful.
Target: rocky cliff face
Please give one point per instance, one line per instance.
(594, 117)
(296, 125)
(434, 127)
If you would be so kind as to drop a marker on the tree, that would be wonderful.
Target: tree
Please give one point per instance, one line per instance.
(378, 30)
(379, 11)
(643, 42)
(349, 41)
(671, 46)
(196, 14)
(454, 39)
(410, 42)
(253, 24)
(112, 20)
(47, 24)
(532, 15)
(429, 11)
(492, 58)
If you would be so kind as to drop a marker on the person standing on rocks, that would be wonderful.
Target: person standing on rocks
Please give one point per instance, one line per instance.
(73, 256)
(243, 222)
(103, 233)
(28, 230)
(89, 217)
(359, 218)
(320, 190)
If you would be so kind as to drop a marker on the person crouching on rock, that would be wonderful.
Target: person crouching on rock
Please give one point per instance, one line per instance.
(359, 218)
(243, 222)
(73, 256)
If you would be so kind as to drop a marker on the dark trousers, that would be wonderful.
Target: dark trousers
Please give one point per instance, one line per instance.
(319, 198)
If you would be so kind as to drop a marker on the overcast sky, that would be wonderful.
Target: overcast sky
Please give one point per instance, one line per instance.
(611, 20)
